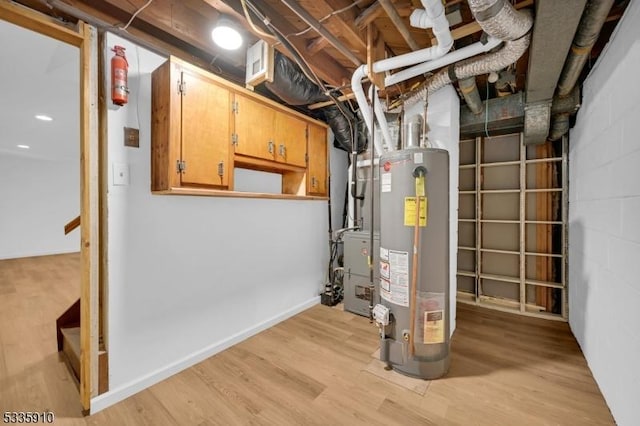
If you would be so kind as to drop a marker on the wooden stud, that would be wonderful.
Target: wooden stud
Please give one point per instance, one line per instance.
(103, 183)
(89, 243)
(392, 13)
(43, 24)
(375, 11)
(316, 45)
(375, 52)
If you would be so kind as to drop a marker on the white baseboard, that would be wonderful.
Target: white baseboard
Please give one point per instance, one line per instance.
(116, 395)
(20, 255)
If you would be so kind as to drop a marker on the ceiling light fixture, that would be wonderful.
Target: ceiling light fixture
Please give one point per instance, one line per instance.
(226, 35)
(23, 146)
(44, 117)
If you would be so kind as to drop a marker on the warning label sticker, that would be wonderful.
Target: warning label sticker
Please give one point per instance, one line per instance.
(385, 183)
(410, 211)
(394, 276)
(433, 327)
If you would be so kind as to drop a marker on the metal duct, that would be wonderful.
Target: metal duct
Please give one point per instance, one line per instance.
(556, 24)
(510, 53)
(507, 114)
(589, 28)
(469, 90)
(499, 19)
(593, 18)
(559, 126)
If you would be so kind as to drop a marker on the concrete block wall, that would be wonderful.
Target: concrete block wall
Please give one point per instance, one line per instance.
(604, 221)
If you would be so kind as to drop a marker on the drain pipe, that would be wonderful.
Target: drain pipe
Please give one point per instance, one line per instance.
(432, 16)
(593, 18)
(469, 90)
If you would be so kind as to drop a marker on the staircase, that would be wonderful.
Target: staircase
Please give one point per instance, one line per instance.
(68, 337)
(68, 333)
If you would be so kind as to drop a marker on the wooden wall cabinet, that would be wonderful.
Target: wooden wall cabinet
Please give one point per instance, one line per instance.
(190, 130)
(203, 127)
(317, 169)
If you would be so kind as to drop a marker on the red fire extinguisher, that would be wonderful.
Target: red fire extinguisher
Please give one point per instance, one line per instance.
(119, 67)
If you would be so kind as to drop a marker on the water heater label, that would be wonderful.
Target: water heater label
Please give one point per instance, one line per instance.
(394, 276)
(417, 158)
(385, 183)
(433, 327)
(410, 211)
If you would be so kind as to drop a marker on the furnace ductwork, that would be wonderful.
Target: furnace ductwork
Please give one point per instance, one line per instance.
(500, 20)
(292, 86)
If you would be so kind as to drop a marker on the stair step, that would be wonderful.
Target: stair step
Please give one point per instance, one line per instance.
(71, 348)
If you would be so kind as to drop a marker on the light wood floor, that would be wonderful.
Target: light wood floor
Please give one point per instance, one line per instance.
(310, 369)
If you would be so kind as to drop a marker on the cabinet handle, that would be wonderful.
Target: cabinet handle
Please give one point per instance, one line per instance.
(313, 181)
(271, 146)
(283, 150)
(221, 168)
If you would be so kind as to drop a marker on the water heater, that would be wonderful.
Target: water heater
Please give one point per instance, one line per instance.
(414, 313)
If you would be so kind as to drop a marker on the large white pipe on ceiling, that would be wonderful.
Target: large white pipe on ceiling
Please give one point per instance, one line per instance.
(433, 17)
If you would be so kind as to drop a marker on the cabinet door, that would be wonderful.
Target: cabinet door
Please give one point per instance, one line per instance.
(317, 171)
(206, 134)
(291, 140)
(254, 124)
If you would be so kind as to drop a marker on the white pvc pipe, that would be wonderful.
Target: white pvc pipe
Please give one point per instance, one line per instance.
(455, 56)
(361, 99)
(382, 119)
(434, 17)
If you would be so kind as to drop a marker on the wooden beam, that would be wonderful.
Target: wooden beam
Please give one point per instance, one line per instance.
(43, 24)
(327, 68)
(323, 104)
(345, 28)
(162, 46)
(316, 45)
(399, 24)
(375, 52)
(375, 11)
(179, 21)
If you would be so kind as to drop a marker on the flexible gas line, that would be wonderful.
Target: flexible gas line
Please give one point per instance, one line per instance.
(419, 174)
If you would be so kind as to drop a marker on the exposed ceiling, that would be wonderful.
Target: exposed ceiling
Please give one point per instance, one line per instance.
(39, 76)
(358, 31)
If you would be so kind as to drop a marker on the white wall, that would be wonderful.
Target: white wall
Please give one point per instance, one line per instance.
(604, 222)
(190, 276)
(37, 198)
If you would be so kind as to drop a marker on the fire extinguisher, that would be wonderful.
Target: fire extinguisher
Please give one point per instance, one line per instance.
(119, 67)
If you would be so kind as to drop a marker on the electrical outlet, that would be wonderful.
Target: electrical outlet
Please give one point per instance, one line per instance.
(120, 174)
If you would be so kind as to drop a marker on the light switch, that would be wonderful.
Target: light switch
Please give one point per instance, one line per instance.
(120, 174)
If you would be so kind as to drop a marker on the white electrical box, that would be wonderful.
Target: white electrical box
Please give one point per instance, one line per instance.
(259, 63)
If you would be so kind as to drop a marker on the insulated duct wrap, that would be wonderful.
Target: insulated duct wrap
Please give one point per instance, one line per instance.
(342, 130)
(510, 53)
(498, 19)
(291, 85)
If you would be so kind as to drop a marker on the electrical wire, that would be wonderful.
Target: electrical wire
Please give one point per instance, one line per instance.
(321, 20)
(253, 26)
(486, 112)
(136, 14)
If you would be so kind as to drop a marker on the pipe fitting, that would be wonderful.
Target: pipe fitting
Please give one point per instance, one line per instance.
(420, 19)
